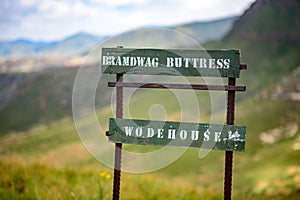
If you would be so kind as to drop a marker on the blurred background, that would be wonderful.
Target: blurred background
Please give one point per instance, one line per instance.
(43, 44)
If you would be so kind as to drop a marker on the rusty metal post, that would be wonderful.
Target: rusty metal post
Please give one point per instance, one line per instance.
(118, 146)
(229, 154)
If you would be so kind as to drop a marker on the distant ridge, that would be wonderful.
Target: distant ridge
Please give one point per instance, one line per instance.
(205, 31)
(71, 45)
(74, 44)
(81, 42)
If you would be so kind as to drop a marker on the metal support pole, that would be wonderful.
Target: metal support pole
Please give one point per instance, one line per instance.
(229, 154)
(118, 146)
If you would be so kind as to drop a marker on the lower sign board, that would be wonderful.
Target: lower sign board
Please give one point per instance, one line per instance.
(162, 133)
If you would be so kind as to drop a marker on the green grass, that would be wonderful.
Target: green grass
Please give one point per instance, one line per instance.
(40, 139)
(19, 180)
(53, 156)
(36, 180)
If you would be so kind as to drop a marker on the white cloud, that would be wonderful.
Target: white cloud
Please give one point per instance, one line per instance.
(28, 2)
(114, 3)
(52, 19)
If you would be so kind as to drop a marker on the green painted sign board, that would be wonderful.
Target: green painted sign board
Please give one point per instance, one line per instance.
(174, 62)
(162, 133)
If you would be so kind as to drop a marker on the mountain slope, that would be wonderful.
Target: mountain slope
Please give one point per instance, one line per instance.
(268, 36)
(42, 97)
(268, 20)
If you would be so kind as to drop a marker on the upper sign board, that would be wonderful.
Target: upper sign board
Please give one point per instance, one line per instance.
(174, 62)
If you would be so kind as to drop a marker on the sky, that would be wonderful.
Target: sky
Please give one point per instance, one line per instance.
(47, 20)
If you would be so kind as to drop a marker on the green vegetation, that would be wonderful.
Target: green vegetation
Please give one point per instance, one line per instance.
(35, 180)
(38, 100)
(264, 171)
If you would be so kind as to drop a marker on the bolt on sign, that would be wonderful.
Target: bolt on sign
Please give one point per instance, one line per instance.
(207, 136)
(174, 62)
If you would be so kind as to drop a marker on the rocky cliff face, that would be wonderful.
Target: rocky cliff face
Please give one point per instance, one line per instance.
(289, 87)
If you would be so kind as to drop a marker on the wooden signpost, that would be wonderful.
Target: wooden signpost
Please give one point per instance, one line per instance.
(173, 62)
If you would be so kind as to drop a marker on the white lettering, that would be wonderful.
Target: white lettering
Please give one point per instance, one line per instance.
(112, 62)
(195, 135)
(155, 62)
(139, 131)
(217, 136)
(133, 61)
(140, 61)
(160, 133)
(226, 63)
(171, 133)
(195, 62)
(202, 63)
(105, 60)
(170, 62)
(212, 64)
(118, 61)
(220, 63)
(178, 62)
(128, 130)
(186, 62)
(126, 61)
(183, 134)
(206, 135)
(150, 132)
(148, 62)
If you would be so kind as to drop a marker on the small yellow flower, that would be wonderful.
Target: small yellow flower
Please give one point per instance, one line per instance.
(102, 174)
(107, 176)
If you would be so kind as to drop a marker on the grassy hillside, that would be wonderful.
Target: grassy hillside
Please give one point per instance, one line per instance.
(255, 177)
(41, 98)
